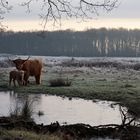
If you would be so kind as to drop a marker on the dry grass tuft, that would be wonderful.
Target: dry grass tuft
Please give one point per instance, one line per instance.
(60, 82)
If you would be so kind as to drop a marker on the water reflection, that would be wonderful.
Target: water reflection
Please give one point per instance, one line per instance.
(61, 109)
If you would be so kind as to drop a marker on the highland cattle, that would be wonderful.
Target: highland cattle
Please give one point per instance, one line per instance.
(31, 68)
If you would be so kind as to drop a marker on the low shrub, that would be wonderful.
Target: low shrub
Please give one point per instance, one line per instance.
(40, 113)
(60, 82)
(24, 112)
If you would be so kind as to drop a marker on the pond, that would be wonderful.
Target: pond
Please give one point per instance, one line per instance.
(64, 110)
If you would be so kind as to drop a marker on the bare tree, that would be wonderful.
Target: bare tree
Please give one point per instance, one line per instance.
(55, 10)
(4, 8)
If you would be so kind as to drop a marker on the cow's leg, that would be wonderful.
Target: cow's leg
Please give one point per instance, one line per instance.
(24, 82)
(37, 78)
(14, 82)
(19, 82)
(10, 80)
(26, 77)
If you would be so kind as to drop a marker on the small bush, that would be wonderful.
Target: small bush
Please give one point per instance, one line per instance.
(60, 82)
(40, 113)
(25, 112)
(128, 85)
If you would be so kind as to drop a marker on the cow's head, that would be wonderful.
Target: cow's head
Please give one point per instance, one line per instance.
(19, 63)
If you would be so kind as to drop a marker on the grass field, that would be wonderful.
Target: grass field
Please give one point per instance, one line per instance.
(28, 135)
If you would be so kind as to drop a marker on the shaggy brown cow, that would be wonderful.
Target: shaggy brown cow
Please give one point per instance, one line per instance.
(31, 68)
(16, 76)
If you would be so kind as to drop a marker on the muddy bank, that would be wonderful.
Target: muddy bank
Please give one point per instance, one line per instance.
(75, 131)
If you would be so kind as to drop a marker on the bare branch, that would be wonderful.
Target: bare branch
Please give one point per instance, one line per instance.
(55, 10)
(27, 4)
(4, 8)
(127, 119)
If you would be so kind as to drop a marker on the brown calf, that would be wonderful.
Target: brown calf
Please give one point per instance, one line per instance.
(16, 76)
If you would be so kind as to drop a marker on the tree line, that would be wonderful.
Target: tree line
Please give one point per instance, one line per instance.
(90, 43)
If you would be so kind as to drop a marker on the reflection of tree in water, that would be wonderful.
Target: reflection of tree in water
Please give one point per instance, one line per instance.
(23, 103)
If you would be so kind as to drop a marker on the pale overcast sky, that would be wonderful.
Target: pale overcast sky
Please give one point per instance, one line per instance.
(127, 15)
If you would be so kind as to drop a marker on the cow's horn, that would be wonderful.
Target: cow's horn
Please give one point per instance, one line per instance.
(28, 58)
(9, 59)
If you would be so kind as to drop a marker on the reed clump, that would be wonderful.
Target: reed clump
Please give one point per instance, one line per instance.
(60, 82)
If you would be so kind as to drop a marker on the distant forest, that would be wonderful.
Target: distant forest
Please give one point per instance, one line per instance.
(89, 43)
